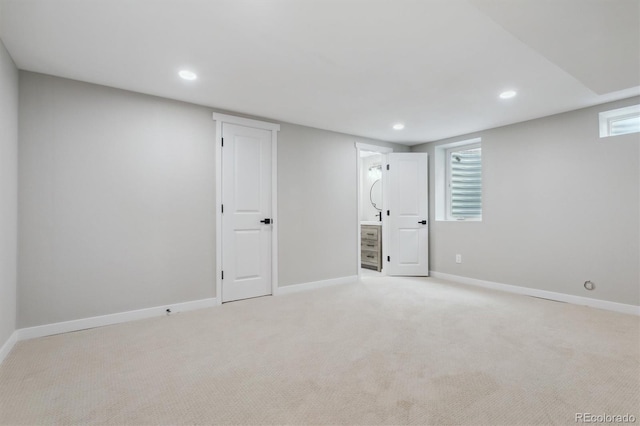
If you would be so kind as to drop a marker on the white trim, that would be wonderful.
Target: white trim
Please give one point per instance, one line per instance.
(384, 151)
(359, 211)
(218, 213)
(375, 148)
(528, 291)
(92, 322)
(386, 232)
(296, 288)
(274, 211)
(248, 122)
(274, 128)
(458, 144)
(8, 345)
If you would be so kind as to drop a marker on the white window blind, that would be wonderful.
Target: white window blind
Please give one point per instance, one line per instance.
(465, 182)
(622, 126)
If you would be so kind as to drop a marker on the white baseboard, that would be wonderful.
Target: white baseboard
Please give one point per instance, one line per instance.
(528, 291)
(99, 321)
(315, 284)
(92, 322)
(8, 345)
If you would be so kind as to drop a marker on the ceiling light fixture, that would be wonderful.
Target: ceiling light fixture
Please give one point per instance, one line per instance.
(187, 75)
(508, 94)
(398, 126)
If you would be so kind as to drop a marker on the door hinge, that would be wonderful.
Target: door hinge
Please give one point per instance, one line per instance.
(221, 208)
(223, 275)
(388, 214)
(387, 167)
(222, 140)
(388, 258)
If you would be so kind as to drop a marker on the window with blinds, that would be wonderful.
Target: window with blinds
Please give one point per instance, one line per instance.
(464, 179)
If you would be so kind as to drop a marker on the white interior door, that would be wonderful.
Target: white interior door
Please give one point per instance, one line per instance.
(246, 203)
(408, 206)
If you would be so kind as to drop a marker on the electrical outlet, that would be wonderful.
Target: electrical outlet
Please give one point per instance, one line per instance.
(458, 258)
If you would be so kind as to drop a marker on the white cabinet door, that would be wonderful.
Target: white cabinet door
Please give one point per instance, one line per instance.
(246, 200)
(408, 205)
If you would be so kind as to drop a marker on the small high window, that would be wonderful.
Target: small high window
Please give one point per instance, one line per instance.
(620, 121)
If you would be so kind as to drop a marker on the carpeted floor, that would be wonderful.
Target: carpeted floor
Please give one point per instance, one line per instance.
(381, 351)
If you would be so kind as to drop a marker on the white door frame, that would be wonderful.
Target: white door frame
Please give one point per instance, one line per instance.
(385, 237)
(274, 128)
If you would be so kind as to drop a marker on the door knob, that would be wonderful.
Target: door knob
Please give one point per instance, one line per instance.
(267, 221)
(422, 222)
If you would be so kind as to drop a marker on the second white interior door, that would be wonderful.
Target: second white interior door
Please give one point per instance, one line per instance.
(408, 224)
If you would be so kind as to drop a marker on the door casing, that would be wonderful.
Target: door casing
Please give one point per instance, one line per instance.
(274, 128)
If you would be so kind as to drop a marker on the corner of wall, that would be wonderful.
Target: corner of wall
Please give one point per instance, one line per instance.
(8, 199)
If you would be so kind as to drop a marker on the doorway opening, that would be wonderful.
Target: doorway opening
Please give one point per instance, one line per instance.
(394, 239)
(371, 163)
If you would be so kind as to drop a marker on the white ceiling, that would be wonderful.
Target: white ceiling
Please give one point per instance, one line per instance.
(353, 66)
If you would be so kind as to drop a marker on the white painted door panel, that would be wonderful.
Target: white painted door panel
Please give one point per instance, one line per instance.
(407, 181)
(246, 199)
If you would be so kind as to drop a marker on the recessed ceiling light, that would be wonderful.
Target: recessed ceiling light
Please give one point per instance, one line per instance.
(187, 75)
(398, 126)
(508, 94)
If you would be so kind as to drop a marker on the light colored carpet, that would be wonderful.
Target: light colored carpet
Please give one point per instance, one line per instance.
(382, 351)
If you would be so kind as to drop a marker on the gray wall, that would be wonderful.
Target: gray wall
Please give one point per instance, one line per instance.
(560, 206)
(117, 201)
(8, 192)
(317, 204)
